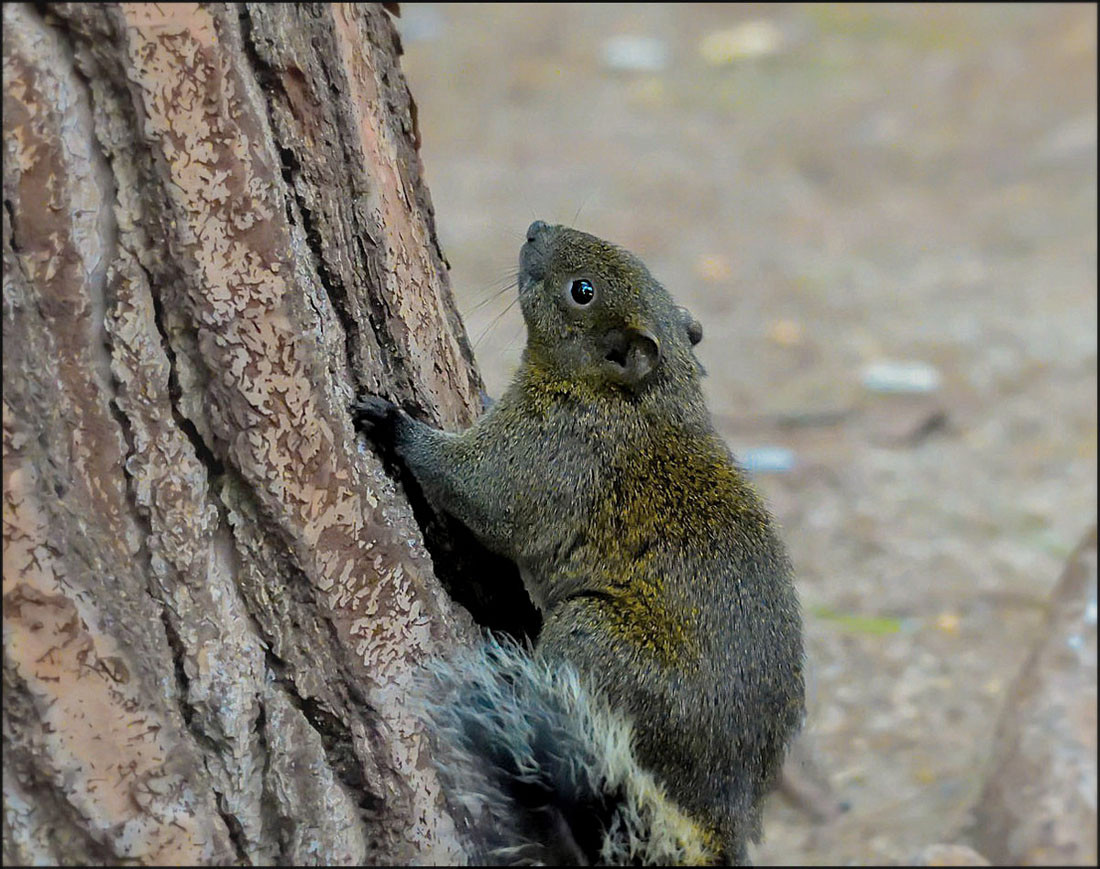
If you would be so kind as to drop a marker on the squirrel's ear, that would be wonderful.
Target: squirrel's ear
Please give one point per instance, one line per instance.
(692, 326)
(635, 353)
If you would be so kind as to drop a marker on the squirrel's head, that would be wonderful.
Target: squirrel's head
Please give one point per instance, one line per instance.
(595, 312)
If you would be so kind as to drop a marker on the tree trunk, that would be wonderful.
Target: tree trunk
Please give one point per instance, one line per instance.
(215, 232)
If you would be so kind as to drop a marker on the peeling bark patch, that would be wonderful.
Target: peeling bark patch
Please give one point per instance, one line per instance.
(104, 747)
(60, 251)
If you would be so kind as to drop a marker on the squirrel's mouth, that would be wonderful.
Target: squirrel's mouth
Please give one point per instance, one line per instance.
(532, 265)
(524, 284)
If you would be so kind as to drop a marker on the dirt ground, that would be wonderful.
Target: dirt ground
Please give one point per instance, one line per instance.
(828, 188)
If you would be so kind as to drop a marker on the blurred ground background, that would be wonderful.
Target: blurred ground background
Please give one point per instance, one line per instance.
(832, 191)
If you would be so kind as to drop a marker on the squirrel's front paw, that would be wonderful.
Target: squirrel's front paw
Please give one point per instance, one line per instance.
(374, 415)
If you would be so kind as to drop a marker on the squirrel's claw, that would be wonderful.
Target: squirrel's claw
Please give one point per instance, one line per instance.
(372, 412)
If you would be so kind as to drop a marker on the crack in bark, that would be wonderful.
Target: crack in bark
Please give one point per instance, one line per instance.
(183, 683)
(393, 361)
(214, 466)
(376, 316)
(187, 712)
(336, 738)
(269, 801)
(268, 79)
(334, 288)
(11, 222)
(233, 828)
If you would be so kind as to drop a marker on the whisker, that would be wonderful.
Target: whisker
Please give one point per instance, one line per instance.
(502, 277)
(512, 341)
(501, 285)
(580, 207)
(494, 321)
(511, 285)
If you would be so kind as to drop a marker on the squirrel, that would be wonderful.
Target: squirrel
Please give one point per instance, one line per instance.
(653, 713)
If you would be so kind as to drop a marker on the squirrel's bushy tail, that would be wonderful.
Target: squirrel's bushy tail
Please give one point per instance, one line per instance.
(537, 769)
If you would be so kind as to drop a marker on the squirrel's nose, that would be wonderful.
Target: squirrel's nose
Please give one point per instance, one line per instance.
(536, 229)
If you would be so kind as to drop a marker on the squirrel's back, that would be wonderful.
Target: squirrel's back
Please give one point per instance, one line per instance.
(688, 619)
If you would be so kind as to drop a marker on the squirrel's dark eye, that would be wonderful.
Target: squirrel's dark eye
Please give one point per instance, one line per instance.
(582, 291)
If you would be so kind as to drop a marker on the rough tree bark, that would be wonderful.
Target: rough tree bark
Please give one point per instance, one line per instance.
(215, 230)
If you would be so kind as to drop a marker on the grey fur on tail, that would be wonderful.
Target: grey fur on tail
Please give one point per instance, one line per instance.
(537, 769)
